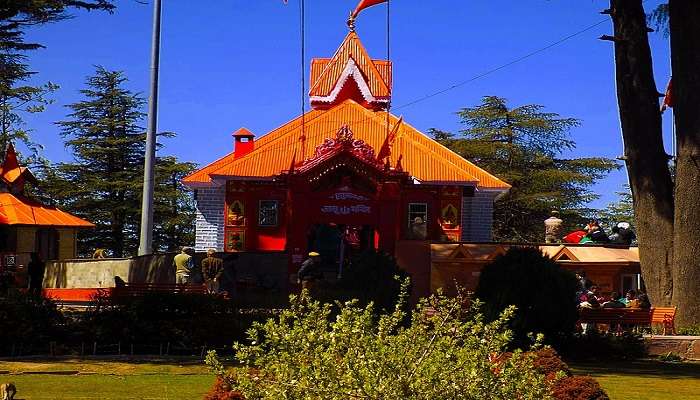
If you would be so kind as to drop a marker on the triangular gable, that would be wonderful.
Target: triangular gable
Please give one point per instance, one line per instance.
(350, 60)
(565, 255)
(461, 252)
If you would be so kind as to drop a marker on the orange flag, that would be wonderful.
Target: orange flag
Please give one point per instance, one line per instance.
(668, 98)
(365, 4)
(385, 151)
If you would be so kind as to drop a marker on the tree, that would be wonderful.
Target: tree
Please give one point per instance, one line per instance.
(523, 146)
(17, 97)
(174, 210)
(104, 183)
(543, 292)
(667, 212)
(621, 210)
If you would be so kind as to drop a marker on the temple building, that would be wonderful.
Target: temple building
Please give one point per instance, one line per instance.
(29, 226)
(346, 169)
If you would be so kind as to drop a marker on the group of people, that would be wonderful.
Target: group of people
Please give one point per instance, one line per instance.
(622, 234)
(589, 296)
(211, 271)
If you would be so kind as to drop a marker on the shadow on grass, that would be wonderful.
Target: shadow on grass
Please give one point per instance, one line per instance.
(640, 368)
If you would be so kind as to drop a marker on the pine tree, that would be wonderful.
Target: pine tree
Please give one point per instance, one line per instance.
(523, 146)
(17, 98)
(174, 210)
(104, 183)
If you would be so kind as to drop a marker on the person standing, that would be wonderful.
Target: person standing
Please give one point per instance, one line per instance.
(212, 269)
(183, 264)
(310, 271)
(35, 270)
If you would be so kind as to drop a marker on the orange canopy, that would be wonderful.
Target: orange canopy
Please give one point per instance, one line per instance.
(19, 210)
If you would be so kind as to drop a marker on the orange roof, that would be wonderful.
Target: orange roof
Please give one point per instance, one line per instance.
(423, 158)
(328, 75)
(19, 210)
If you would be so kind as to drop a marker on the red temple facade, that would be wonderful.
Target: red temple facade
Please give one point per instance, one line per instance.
(346, 169)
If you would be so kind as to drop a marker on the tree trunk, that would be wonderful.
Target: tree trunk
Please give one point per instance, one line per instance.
(647, 162)
(685, 49)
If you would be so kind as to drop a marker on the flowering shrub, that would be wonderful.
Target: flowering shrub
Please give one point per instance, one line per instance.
(447, 354)
(222, 391)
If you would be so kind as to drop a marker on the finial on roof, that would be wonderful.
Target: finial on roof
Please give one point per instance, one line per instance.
(351, 22)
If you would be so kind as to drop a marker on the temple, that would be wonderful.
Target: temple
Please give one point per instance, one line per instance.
(29, 226)
(347, 168)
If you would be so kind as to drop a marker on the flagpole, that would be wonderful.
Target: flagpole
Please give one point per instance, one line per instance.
(302, 22)
(146, 234)
(388, 59)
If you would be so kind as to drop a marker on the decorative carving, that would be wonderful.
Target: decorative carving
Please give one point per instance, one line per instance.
(344, 140)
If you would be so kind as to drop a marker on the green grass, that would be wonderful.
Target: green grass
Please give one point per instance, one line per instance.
(645, 379)
(108, 379)
(187, 378)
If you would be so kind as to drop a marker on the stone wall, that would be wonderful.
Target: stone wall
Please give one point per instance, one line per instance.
(687, 347)
(210, 218)
(477, 216)
(265, 270)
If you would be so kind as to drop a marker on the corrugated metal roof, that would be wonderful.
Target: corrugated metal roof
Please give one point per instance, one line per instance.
(423, 158)
(325, 73)
(19, 210)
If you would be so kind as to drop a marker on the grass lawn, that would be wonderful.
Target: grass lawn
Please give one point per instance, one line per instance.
(645, 379)
(121, 378)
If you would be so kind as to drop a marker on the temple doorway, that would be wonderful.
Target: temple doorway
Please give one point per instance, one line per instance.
(336, 242)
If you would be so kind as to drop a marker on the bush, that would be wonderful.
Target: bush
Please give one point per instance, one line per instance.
(548, 362)
(543, 293)
(604, 346)
(222, 391)
(370, 277)
(185, 320)
(578, 388)
(30, 321)
(449, 354)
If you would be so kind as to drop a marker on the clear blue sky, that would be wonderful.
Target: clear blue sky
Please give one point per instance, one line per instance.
(232, 63)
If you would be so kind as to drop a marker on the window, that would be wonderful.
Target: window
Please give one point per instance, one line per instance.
(268, 213)
(418, 221)
(630, 282)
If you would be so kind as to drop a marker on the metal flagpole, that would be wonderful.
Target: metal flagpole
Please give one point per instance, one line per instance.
(388, 59)
(146, 237)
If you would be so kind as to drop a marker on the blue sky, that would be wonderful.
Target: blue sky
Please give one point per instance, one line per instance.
(232, 63)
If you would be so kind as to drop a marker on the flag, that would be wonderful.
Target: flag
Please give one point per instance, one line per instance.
(668, 97)
(385, 151)
(366, 4)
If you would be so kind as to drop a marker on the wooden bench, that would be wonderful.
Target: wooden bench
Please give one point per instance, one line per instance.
(665, 316)
(140, 289)
(618, 319)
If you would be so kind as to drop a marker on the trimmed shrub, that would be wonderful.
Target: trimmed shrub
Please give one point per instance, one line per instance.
(548, 362)
(604, 346)
(371, 276)
(29, 320)
(185, 320)
(578, 388)
(543, 293)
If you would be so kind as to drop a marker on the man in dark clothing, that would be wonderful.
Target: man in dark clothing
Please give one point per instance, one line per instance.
(35, 270)
(310, 271)
(212, 269)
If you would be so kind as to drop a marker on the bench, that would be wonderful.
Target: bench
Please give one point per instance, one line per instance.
(619, 318)
(140, 289)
